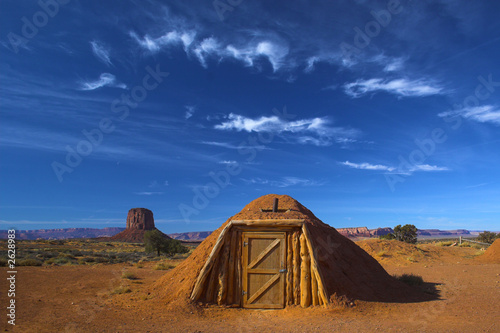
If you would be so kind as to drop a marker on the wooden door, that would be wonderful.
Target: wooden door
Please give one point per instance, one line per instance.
(264, 268)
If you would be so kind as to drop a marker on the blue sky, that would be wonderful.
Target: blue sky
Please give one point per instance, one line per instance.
(369, 113)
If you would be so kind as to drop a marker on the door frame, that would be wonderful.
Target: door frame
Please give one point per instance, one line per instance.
(279, 272)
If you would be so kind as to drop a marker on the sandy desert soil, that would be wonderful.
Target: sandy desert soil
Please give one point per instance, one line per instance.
(80, 299)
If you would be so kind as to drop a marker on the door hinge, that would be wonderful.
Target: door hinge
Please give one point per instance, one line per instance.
(243, 292)
(284, 270)
(245, 244)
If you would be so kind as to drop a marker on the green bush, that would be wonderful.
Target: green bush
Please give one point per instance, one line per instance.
(406, 233)
(155, 241)
(388, 236)
(487, 237)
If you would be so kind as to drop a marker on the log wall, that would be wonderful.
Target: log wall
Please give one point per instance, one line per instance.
(221, 278)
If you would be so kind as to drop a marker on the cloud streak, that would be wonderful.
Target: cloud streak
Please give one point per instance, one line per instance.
(399, 87)
(105, 80)
(316, 131)
(284, 182)
(101, 52)
(390, 169)
(203, 49)
(482, 114)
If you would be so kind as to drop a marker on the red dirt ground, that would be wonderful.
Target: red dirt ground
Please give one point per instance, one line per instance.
(79, 299)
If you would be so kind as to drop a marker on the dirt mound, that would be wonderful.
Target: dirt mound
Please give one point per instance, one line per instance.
(348, 271)
(139, 220)
(492, 254)
(394, 251)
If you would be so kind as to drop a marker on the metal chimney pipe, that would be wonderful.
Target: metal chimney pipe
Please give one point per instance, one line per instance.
(275, 206)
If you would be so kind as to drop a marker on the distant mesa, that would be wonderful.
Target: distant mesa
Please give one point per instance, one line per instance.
(139, 220)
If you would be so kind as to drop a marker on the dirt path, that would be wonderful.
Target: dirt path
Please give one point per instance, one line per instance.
(80, 299)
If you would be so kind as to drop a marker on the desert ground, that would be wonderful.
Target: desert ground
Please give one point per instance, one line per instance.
(120, 297)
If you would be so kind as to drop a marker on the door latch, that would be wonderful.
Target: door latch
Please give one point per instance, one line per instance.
(245, 244)
(284, 270)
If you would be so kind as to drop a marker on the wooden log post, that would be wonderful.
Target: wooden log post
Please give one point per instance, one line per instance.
(213, 282)
(205, 271)
(315, 269)
(232, 264)
(305, 274)
(289, 270)
(314, 289)
(296, 268)
(223, 273)
(237, 278)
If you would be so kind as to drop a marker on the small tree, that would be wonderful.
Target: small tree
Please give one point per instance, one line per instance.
(406, 233)
(487, 237)
(389, 236)
(155, 241)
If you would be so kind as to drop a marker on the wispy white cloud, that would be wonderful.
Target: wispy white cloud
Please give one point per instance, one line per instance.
(394, 65)
(105, 80)
(153, 45)
(482, 114)
(284, 182)
(227, 162)
(316, 131)
(190, 110)
(368, 166)
(149, 193)
(427, 167)
(400, 87)
(247, 52)
(101, 52)
(233, 146)
(390, 169)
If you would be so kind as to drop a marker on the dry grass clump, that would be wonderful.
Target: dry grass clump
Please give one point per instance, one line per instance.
(164, 266)
(445, 243)
(28, 262)
(129, 276)
(121, 290)
(410, 279)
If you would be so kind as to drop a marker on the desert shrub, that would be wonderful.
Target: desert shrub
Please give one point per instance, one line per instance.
(406, 233)
(46, 255)
(28, 262)
(154, 241)
(388, 236)
(445, 243)
(76, 253)
(474, 246)
(410, 279)
(487, 237)
(121, 290)
(129, 276)
(102, 260)
(58, 261)
(163, 266)
(66, 255)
